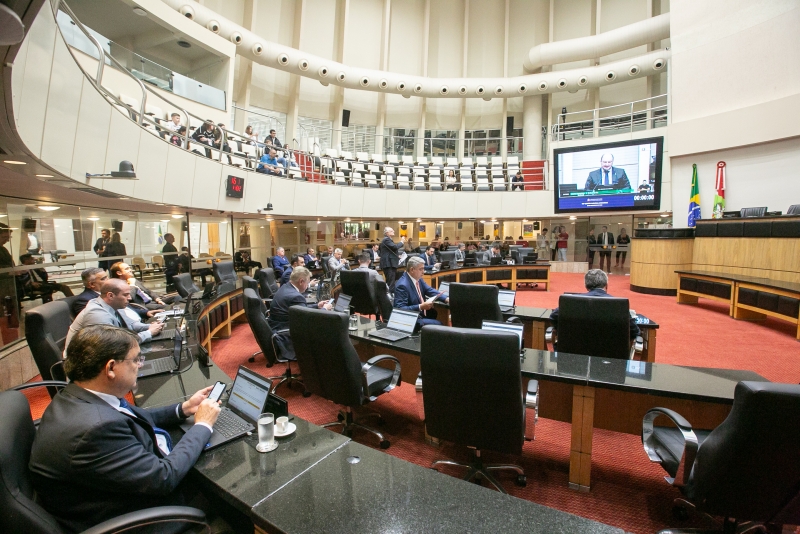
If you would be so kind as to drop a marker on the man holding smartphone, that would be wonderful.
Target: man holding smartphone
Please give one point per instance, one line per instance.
(95, 456)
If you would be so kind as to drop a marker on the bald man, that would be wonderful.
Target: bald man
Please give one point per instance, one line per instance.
(607, 175)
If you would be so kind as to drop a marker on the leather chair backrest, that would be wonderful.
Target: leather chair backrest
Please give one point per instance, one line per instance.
(357, 285)
(68, 301)
(325, 267)
(269, 262)
(471, 304)
(256, 313)
(753, 212)
(223, 271)
(594, 326)
(250, 282)
(794, 209)
(384, 303)
(20, 513)
(184, 284)
(516, 256)
(267, 283)
(46, 329)
(472, 388)
(749, 466)
(328, 362)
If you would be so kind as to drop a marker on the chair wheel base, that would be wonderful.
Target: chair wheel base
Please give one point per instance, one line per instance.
(269, 365)
(385, 444)
(251, 359)
(521, 481)
(680, 513)
(306, 394)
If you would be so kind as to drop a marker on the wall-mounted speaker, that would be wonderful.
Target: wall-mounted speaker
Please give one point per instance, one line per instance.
(116, 225)
(536, 225)
(509, 124)
(28, 225)
(460, 225)
(184, 226)
(345, 118)
(377, 226)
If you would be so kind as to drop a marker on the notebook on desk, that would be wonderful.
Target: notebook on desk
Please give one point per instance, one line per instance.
(166, 364)
(401, 325)
(239, 414)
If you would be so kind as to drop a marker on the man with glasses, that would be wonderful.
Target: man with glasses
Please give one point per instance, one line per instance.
(95, 456)
(115, 295)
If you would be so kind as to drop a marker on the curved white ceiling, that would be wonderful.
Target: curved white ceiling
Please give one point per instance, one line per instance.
(287, 59)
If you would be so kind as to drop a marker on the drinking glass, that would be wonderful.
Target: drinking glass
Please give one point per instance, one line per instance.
(266, 433)
(354, 322)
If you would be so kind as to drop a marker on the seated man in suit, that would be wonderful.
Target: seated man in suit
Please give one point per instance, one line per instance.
(607, 175)
(310, 259)
(35, 281)
(279, 262)
(105, 309)
(412, 293)
(460, 251)
(93, 279)
(140, 294)
(336, 263)
(596, 282)
(364, 263)
(297, 261)
(289, 295)
(96, 457)
(372, 250)
(429, 258)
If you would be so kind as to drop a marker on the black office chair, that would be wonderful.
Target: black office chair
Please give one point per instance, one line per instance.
(753, 212)
(470, 260)
(471, 399)
(19, 510)
(184, 284)
(384, 302)
(250, 282)
(357, 284)
(794, 209)
(331, 368)
(46, 329)
(267, 282)
(471, 304)
(746, 469)
(256, 313)
(593, 326)
(223, 271)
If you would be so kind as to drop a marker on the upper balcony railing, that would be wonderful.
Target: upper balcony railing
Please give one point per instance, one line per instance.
(629, 117)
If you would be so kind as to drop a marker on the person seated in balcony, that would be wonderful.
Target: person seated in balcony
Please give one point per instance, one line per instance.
(451, 180)
(174, 123)
(205, 134)
(35, 283)
(218, 139)
(251, 135)
(271, 164)
(272, 139)
(517, 182)
(176, 137)
(289, 156)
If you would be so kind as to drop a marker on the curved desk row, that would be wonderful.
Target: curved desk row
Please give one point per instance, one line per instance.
(494, 274)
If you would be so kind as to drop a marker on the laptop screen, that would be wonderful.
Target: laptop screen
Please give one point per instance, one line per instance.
(505, 298)
(177, 347)
(343, 303)
(514, 328)
(403, 320)
(444, 287)
(249, 394)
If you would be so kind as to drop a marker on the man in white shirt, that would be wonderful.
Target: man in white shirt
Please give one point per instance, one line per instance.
(174, 123)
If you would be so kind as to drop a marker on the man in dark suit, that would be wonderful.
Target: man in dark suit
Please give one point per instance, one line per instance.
(596, 282)
(372, 250)
(100, 245)
(297, 261)
(390, 256)
(140, 294)
(429, 258)
(605, 238)
(279, 261)
(412, 293)
(35, 281)
(289, 295)
(93, 279)
(607, 175)
(95, 456)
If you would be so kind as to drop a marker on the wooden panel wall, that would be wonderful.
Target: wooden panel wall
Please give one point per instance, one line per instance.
(654, 261)
(765, 257)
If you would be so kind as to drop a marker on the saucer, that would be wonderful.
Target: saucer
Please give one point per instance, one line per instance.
(267, 449)
(290, 428)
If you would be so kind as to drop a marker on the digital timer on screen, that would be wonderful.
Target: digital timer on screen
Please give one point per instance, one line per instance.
(234, 187)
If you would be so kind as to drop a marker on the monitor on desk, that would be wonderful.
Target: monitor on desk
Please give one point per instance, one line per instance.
(505, 298)
(447, 256)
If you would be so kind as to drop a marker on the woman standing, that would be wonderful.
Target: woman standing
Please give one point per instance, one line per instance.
(115, 248)
(561, 244)
(622, 239)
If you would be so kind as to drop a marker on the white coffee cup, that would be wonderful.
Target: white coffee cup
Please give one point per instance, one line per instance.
(282, 423)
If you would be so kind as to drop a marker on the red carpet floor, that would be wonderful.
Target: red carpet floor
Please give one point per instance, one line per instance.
(627, 490)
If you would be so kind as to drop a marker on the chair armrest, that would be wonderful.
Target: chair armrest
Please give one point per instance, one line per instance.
(638, 344)
(514, 319)
(418, 382)
(372, 361)
(532, 394)
(150, 516)
(549, 334)
(43, 383)
(690, 444)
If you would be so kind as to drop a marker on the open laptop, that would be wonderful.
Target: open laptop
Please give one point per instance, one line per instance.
(166, 364)
(239, 414)
(497, 260)
(343, 304)
(513, 328)
(444, 287)
(207, 292)
(505, 298)
(167, 333)
(401, 325)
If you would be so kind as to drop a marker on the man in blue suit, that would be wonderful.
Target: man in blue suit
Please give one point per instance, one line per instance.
(607, 175)
(411, 293)
(279, 262)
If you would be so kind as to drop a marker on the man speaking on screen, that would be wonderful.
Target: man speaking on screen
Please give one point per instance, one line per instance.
(607, 175)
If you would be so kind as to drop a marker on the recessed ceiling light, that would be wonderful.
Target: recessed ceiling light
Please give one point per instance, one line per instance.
(139, 11)
(270, 219)
(165, 220)
(483, 222)
(419, 220)
(93, 218)
(44, 175)
(14, 162)
(48, 208)
(177, 216)
(3, 215)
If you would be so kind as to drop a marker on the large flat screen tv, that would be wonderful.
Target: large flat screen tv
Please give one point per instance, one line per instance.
(624, 176)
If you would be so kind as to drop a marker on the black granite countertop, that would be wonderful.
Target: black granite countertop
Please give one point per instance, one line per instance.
(381, 493)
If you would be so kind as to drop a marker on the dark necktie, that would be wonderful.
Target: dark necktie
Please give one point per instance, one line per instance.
(158, 431)
(122, 322)
(605, 180)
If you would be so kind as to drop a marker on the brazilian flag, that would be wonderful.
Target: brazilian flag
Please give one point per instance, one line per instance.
(694, 199)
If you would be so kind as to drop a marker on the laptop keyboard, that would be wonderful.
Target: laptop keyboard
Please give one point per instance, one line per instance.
(165, 334)
(163, 365)
(389, 335)
(229, 424)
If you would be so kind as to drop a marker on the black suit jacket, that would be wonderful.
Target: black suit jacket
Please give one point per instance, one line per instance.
(619, 180)
(389, 252)
(80, 301)
(602, 294)
(286, 297)
(99, 244)
(599, 241)
(90, 462)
